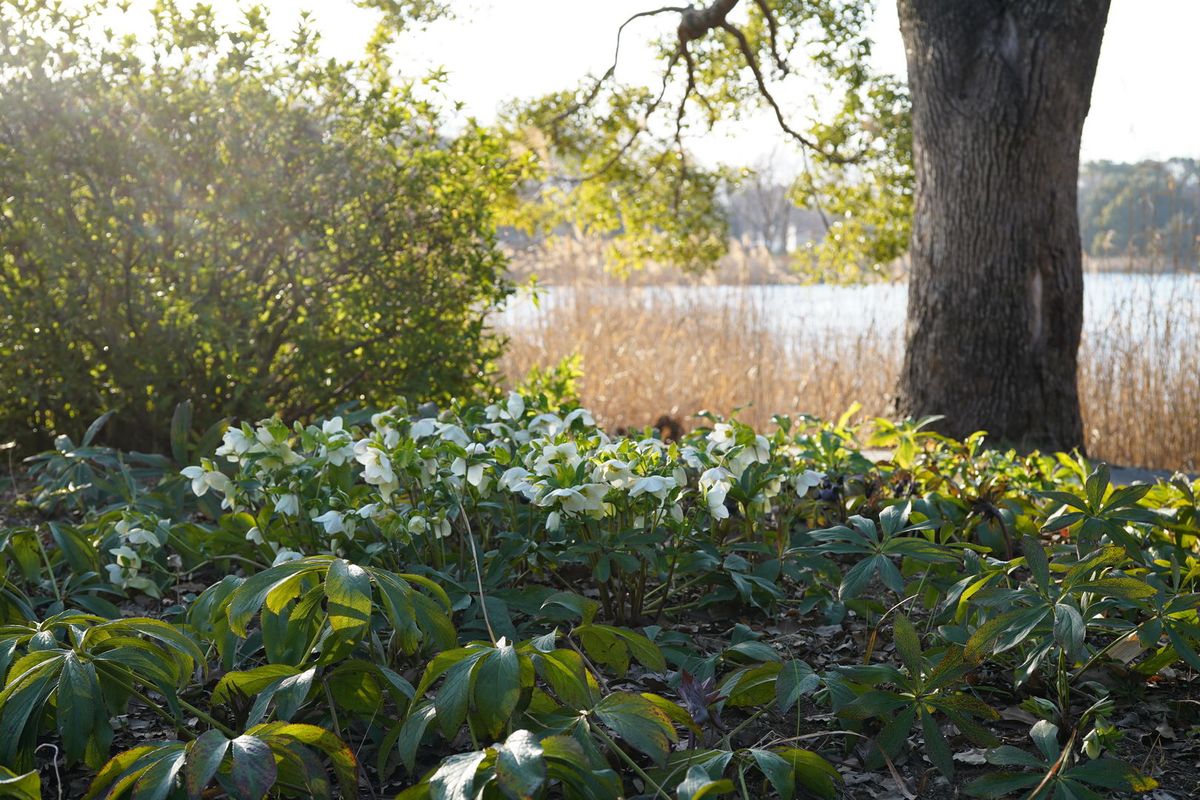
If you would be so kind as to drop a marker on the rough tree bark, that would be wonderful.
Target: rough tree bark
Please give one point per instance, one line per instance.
(1000, 90)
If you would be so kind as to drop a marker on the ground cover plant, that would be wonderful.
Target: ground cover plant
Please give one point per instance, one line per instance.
(506, 601)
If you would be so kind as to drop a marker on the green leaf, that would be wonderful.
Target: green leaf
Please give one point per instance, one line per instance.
(499, 680)
(1035, 557)
(204, 758)
(250, 682)
(253, 771)
(564, 671)
(120, 764)
(751, 686)
(339, 753)
(27, 786)
(778, 772)
(639, 722)
(1001, 784)
(796, 679)
(412, 732)
(1096, 485)
(1112, 774)
(246, 600)
(935, 745)
(1121, 587)
(520, 768)
(157, 782)
(453, 698)
(348, 596)
(908, 645)
(1069, 629)
(1045, 736)
(697, 784)
(80, 706)
(812, 772)
(24, 693)
(757, 651)
(455, 777)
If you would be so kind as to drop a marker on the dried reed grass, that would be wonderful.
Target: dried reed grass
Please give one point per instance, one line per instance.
(643, 357)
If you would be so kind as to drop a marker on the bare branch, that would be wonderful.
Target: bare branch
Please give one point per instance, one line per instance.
(637, 132)
(752, 62)
(773, 34)
(594, 92)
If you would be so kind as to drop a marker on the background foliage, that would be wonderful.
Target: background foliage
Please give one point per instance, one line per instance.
(210, 216)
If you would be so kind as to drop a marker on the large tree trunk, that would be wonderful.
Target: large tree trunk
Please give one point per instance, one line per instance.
(1000, 90)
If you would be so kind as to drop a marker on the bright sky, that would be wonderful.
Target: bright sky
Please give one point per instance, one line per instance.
(1144, 103)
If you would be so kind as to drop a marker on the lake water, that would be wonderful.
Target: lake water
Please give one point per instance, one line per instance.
(1126, 302)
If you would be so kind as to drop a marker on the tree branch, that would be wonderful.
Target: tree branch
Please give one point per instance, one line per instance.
(752, 63)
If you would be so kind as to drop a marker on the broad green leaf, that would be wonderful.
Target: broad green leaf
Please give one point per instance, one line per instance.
(455, 778)
(498, 682)
(935, 745)
(412, 732)
(1035, 557)
(908, 645)
(639, 722)
(697, 784)
(27, 786)
(348, 595)
(80, 705)
(204, 758)
(520, 768)
(1001, 784)
(253, 770)
(1045, 736)
(795, 679)
(813, 772)
(157, 782)
(778, 771)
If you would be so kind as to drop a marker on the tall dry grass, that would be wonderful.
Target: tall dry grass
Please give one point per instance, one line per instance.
(646, 355)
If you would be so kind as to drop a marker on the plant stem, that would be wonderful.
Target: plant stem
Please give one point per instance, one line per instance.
(641, 773)
(37, 537)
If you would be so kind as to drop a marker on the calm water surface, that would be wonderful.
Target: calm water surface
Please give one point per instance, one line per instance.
(1112, 301)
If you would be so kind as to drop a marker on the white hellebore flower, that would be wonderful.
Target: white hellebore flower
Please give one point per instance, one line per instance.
(377, 468)
(721, 437)
(338, 448)
(254, 535)
(473, 472)
(133, 534)
(236, 443)
(288, 505)
(203, 480)
(588, 497)
(760, 451)
(552, 455)
(516, 480)
(515, 406)
(715, 484)
(657, 485)
(809, 479)
(614, 472)
(423, 428)
(333, 522)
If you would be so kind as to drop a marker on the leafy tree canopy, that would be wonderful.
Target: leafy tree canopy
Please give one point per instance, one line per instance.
(615, 156)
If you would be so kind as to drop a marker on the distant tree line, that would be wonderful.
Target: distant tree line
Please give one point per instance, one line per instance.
(1145, 210)
(1150, 209)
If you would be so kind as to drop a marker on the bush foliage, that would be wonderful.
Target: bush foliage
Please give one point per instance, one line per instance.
(208, 216)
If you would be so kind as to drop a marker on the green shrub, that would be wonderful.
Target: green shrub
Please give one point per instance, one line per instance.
(208, 216)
